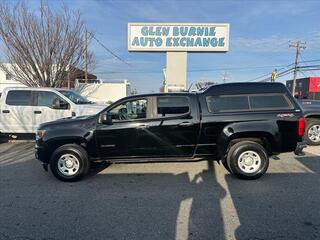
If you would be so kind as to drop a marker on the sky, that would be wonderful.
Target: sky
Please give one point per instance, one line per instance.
(260, 31)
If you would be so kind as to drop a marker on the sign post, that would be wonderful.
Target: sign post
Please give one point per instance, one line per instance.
(177, 39)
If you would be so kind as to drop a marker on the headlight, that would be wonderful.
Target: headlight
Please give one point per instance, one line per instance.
(40, 134)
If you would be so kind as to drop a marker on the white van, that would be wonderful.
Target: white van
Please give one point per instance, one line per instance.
(23, 109)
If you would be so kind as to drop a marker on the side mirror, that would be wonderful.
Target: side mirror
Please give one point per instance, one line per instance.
(106, 118)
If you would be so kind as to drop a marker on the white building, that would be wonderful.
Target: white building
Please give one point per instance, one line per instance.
(100, 91)
(103, 91)
(6, 80)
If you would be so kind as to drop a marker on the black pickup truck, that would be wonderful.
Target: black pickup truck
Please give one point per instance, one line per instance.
(311, 110)
(239, 124)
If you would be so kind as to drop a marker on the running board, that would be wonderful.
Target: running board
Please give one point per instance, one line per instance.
(154, 160)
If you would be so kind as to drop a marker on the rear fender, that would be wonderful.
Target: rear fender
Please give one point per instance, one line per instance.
(264, 132)
(312, 116)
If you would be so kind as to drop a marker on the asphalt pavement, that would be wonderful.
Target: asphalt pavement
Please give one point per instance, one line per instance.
(198, 200)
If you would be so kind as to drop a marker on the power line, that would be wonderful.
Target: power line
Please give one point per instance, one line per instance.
(268, 74)
(280, 74)
(315, 60)
(309, 66)
(111, 52)
(303, 74)
(308, 62)
(310, 69)
(200, 70)
(300, 68)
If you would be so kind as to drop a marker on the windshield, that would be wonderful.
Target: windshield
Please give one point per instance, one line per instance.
(74, 97)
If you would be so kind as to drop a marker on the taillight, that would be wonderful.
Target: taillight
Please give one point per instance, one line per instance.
(301, 126)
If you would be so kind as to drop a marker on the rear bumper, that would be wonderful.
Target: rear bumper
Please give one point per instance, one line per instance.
(299, 148)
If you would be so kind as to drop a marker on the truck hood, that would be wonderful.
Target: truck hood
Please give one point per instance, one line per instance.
(63, 121)
(89, 109)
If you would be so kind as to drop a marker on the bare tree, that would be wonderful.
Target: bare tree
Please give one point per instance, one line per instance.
(42, 47)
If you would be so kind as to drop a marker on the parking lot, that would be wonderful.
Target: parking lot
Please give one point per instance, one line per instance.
(198, 200)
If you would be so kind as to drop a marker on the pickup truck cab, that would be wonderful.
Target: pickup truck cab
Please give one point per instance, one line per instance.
(23, 109)
(241, 124)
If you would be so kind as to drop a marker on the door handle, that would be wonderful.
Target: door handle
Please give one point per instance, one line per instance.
(185, 124)
(142, 126)
(37, 112)
(5, 111)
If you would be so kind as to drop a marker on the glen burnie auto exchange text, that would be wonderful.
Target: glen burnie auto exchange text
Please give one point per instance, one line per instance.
(173, 36)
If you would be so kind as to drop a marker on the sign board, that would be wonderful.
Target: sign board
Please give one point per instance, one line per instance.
(182, 37)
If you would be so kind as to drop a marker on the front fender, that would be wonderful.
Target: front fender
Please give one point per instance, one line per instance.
(56, 137)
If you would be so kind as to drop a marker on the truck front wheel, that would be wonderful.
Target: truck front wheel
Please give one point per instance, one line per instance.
(69, 163)
(247, 160)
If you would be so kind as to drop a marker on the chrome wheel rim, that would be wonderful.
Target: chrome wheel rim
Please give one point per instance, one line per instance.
(314, 133)
(68, 164)
(249, 161)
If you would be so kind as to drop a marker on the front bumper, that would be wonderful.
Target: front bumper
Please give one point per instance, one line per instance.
(41, 154)
(299, 148)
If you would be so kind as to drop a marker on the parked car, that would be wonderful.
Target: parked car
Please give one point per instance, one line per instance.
(241, 124)
(311, 109)
(22, 110)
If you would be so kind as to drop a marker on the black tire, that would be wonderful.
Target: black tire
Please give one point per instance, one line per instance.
(80, 163)
(225, 164)
(312, 139)
(257, 154)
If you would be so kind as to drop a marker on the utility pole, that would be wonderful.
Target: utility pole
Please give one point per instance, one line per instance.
(86, 55)
(225, 77)
(298, 45)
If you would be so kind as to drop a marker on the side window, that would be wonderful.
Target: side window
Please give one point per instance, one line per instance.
(172, 106)
(277, 101)
(227, 103)
(46, 99)
(131, 110)
(19, 98)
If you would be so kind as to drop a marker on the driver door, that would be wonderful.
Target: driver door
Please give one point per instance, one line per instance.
(119, 138)
(44, 110)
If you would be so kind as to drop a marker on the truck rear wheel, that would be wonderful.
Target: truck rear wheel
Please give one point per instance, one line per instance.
(247, 160)
(69, 163)
(312, 134)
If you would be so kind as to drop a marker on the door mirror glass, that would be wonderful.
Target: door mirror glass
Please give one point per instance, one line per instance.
(106, 118)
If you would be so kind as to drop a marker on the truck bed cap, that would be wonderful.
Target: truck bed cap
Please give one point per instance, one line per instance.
(245, 88)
